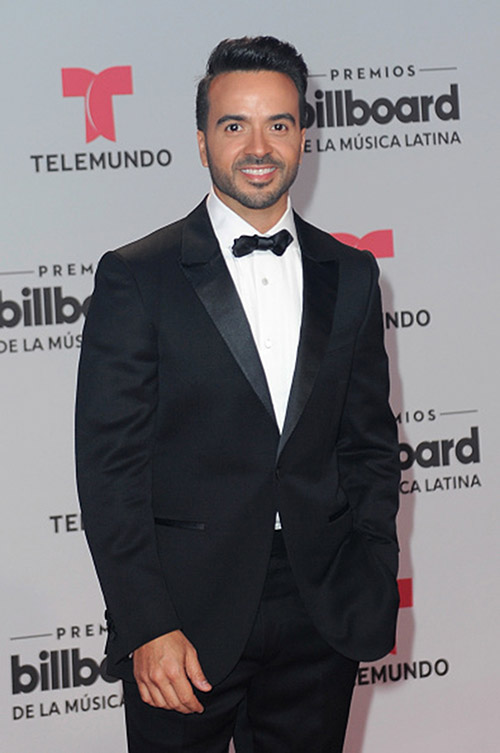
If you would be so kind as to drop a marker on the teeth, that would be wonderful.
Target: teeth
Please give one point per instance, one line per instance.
(258, 170)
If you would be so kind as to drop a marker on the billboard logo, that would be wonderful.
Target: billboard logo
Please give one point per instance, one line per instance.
(98, 89)
(379, 242)
(340, 109)
(57, 670)
(438, 453)
(42, 306)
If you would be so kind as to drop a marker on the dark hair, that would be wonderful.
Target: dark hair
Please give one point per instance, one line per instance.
(252, 54)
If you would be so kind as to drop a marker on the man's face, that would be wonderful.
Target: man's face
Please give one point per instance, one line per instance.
(253, 142)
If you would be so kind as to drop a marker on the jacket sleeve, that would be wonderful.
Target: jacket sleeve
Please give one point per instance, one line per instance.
(367, 445)
(115, 425)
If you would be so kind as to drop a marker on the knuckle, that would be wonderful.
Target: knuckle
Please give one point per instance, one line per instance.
(186, 697)
(178, 707)
(174, 674)
(156, 675)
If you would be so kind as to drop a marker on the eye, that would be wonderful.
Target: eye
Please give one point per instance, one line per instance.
(233, 127)
(279, 127)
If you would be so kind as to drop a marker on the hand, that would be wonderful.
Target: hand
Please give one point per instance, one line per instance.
(165, 670)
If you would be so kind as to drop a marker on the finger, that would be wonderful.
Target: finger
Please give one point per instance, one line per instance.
(145, 694)
(173, 690)
(195, 672)
(172, 701)
(184, 692)
(153, 695)
(162, 697)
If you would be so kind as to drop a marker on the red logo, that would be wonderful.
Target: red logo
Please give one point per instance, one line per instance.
(379, 242)
(98, 90)
(405, 586)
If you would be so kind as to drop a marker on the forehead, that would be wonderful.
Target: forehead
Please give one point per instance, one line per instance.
(252, 92)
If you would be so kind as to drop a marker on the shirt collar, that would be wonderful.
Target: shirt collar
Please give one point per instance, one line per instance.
(228, 225)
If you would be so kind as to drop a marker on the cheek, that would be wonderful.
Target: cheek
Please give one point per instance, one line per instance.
(291, 156)
(226, 157)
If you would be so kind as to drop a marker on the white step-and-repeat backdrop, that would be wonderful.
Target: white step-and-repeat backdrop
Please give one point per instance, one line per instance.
(98, 148)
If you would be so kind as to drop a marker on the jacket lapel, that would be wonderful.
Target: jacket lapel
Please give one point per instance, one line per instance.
(205, 268)
(320, 272)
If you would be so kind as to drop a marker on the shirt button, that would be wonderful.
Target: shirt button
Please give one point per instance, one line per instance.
(265, 281)
(268, 342)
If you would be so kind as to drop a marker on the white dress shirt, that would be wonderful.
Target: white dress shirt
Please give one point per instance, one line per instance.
(270, 290)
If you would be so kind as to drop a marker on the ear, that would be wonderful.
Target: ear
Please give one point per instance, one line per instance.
(302, 143)
(202, 146)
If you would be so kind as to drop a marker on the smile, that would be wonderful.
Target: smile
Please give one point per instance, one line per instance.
(258, 170)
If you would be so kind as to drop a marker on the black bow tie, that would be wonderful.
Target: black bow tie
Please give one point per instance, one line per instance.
(276, 243)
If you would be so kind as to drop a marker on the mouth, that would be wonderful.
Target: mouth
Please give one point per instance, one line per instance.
(259, 173)
(258, 170)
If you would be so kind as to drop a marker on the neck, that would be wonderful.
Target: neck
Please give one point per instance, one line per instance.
(260, 219)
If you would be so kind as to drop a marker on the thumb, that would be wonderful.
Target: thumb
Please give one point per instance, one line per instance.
(195, 672)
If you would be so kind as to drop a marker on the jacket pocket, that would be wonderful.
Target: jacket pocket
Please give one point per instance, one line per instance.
(190, 525)
(339, 513)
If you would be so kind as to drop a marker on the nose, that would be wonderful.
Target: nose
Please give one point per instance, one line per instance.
(257, 144)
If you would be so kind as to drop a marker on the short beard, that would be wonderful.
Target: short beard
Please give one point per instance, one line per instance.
(226, 185)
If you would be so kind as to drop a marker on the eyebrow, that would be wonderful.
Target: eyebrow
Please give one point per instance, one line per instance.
(284, 116)
(241, 118)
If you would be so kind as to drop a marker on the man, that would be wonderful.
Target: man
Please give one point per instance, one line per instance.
(237, 457)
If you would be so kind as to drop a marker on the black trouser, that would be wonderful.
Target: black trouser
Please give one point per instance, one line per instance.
(297, 689)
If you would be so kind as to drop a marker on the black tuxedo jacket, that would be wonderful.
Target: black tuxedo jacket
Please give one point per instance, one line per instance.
(181, 467)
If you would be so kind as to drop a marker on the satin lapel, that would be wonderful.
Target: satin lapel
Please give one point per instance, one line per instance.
(318, 305)
(206, 270)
